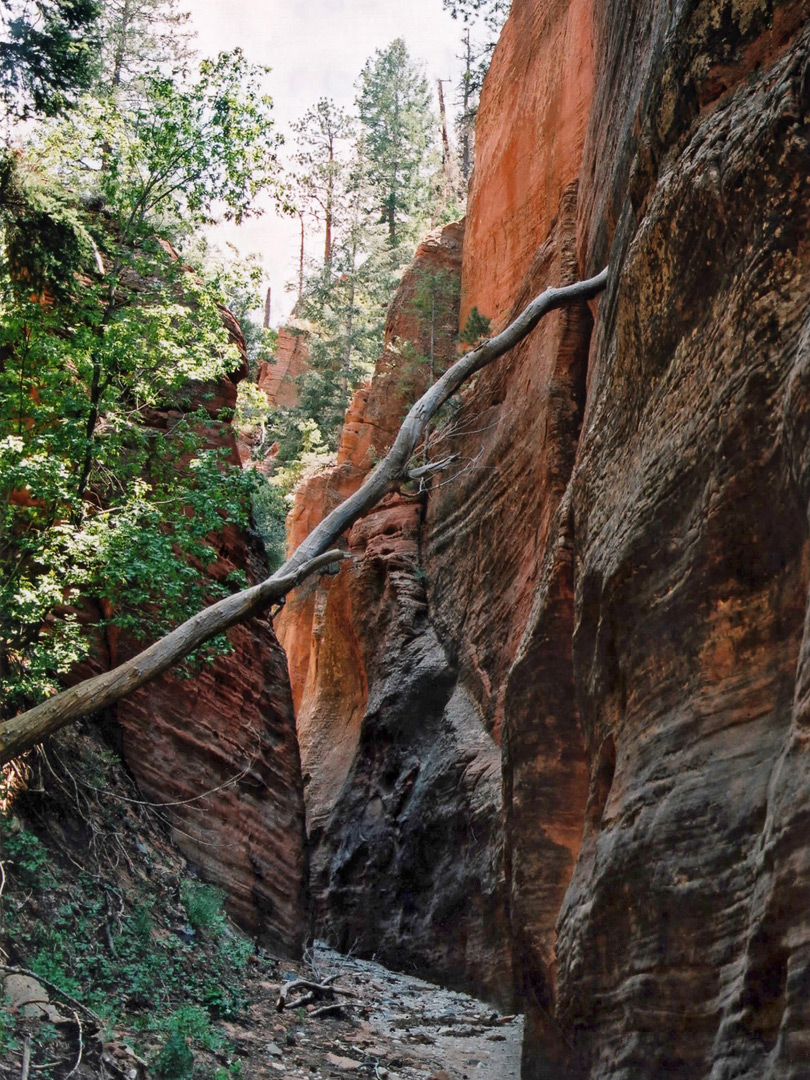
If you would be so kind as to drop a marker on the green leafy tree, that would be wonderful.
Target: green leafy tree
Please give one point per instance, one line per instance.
(184, 152)
(48, 54)
(397, 133)
(101, 325)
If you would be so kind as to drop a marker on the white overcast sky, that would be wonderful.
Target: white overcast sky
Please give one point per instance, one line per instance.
(316, 48)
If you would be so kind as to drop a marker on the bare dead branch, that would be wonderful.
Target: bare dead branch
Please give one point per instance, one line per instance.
(24, 731)
(80, 1050)
(26, 1062)
(56, 991)
(335, 1009)
(431, 467)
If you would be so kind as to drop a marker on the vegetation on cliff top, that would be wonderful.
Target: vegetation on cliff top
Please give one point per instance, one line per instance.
(374, 181)
(112, 482)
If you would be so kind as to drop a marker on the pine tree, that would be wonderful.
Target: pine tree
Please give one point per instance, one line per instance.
(140, 37)
(483, 21)
(398, 126)
(323, 136)
(48, 51)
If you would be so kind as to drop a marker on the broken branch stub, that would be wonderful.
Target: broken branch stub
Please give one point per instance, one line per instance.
(25, 730)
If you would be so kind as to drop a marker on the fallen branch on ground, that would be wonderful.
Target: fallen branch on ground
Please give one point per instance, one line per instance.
(325, 989)
(24, 731)
(335, 1009)
(80, 1050)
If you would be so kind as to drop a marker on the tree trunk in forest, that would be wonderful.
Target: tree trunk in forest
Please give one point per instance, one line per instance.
(24, 731)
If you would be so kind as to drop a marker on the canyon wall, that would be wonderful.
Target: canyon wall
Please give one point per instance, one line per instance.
(279, 378)
(684, 940)
(596, 619)
(218, 751)
(402, 776)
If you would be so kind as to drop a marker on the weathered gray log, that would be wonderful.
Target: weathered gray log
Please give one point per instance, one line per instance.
(24, 731)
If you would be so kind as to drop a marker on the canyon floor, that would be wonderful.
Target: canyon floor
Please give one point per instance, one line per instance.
(397, 1028)
(392, 1027)
(138, 975)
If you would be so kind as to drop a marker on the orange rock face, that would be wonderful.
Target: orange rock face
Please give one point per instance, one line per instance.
(588, 649)
(402, 780)
(278, 380)
(220, 751)
(530, 131)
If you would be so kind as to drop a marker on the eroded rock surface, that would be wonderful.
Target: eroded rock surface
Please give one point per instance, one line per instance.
(684, 938)
(220, 749)
(600, 611)
(402, 777)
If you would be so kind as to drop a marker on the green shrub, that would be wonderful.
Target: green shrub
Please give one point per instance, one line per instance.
(26, 853)
(203, 904)
(175, 1061)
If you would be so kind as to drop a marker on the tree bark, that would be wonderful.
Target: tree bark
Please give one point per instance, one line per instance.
(24, 731)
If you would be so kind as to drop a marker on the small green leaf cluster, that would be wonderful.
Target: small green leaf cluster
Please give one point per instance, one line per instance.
(8, 1029)
(476, 328)
(25, 851)
(175, 1061)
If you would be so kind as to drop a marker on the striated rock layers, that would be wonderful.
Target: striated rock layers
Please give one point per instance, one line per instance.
(607, 622)
(220, 749)
(684, 940)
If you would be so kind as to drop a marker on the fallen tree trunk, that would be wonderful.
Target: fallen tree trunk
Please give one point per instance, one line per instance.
(24, 731)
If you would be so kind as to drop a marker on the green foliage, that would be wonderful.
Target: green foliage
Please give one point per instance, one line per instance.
(233, 1072)
(371, 183)
(323, 172)
(203, 904)
(24, 853)
(142, 972)
(183, 147)
(48, 53)
(8, 1029)
(47, 242)
(397, 128)
(239, 279)
(435, 302)
(140, 36)
(194, 1023)
(476, 328)
(270, 514)
(175, 1061)
(107, 509)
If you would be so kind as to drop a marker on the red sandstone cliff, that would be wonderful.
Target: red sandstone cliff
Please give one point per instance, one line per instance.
(614, 581)
(279, 379)
(220, 750)
(401, 777)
